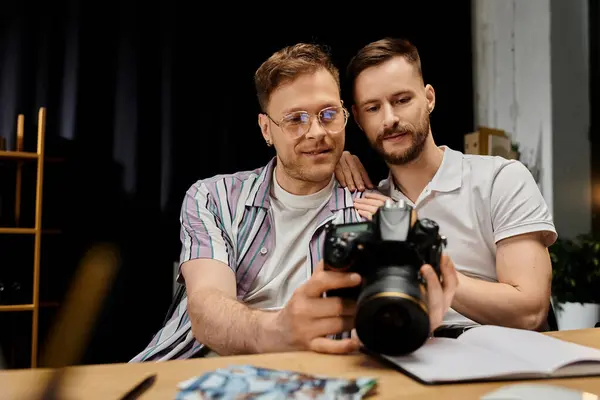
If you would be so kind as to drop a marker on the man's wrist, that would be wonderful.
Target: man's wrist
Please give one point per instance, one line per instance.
(462, 283)
(267, 334)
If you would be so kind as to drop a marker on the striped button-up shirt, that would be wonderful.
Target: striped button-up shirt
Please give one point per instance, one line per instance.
(227, 218)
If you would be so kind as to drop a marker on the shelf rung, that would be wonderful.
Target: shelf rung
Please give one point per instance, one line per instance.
(18, 155)
(18, 231)
(16, 307)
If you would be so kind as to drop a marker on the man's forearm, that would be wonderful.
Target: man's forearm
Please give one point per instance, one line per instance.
(498, 304)
(228, 327)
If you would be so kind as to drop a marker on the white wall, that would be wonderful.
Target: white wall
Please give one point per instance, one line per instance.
(512, 77)
(571, 117)
(531, 79)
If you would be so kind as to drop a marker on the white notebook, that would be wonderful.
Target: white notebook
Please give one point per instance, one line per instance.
(488, 353)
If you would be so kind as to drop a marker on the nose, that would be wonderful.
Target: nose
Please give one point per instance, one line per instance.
(389, 118)
(315, 130)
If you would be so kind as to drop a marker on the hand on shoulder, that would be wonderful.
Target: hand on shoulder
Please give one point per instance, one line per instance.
(351, 173)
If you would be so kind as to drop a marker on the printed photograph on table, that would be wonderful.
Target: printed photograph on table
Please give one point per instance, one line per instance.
(249, 382)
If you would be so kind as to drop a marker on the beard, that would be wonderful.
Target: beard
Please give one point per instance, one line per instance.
(302, 169)
(417, 136)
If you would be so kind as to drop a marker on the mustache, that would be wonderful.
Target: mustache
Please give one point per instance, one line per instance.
(398, 130)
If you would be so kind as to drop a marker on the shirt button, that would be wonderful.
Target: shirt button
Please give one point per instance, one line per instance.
(263, 251)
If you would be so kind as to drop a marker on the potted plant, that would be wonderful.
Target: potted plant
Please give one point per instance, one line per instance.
(576, 281)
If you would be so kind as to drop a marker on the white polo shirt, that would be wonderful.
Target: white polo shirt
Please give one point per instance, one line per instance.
(477, 201)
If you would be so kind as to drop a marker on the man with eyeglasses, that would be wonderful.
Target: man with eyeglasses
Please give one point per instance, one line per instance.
(490, 208)
(252, 241)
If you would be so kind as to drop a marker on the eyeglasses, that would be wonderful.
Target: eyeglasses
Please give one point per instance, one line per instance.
(298, 123)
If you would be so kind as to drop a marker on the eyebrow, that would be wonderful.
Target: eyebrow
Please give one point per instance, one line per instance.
(321, 107)
(291, 110)
(396, 94)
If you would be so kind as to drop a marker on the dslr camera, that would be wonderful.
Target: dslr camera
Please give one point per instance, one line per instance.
(388, 252)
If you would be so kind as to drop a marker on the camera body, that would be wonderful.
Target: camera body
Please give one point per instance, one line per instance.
(388, 252)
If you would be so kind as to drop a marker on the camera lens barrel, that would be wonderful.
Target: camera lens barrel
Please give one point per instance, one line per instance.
(392, 317)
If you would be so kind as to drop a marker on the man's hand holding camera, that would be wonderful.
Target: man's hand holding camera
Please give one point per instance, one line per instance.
(308, 317)
(440, 294)
(368, 205)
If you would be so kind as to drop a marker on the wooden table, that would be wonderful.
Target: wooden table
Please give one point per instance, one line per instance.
(111, 381)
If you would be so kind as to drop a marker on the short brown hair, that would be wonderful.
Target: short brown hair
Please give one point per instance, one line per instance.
(378, 52)
(287, 64)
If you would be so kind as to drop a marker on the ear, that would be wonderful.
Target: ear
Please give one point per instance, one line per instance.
(430, 96)
(263, 122)
(355, 115)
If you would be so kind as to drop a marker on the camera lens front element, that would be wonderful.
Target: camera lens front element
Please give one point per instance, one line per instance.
(391, 316)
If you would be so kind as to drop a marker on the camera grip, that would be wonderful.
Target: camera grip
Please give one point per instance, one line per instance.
(429, 243)
(435, 258)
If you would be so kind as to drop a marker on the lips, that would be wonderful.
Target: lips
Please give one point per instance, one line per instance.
(394, 135)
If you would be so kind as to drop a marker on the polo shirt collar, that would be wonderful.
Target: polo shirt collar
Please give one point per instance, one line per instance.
(447, 178)
(449, 175)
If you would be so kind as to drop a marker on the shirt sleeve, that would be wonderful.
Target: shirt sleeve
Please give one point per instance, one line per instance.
(174, 341)
(517, 204)
(202, 232)
(203, 235)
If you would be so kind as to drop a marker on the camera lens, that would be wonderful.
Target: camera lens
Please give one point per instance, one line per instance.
(392, 325)
(391, 317)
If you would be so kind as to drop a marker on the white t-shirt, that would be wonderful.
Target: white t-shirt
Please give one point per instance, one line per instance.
(294, 219)
(477, 201)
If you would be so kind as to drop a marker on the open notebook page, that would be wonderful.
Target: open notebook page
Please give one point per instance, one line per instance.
(451, 360)
(546, 353)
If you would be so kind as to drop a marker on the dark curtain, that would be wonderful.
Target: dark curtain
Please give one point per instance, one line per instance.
(105, 77)
(143, 101)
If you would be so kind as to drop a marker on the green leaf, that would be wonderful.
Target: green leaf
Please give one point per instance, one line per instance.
(576, 269)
